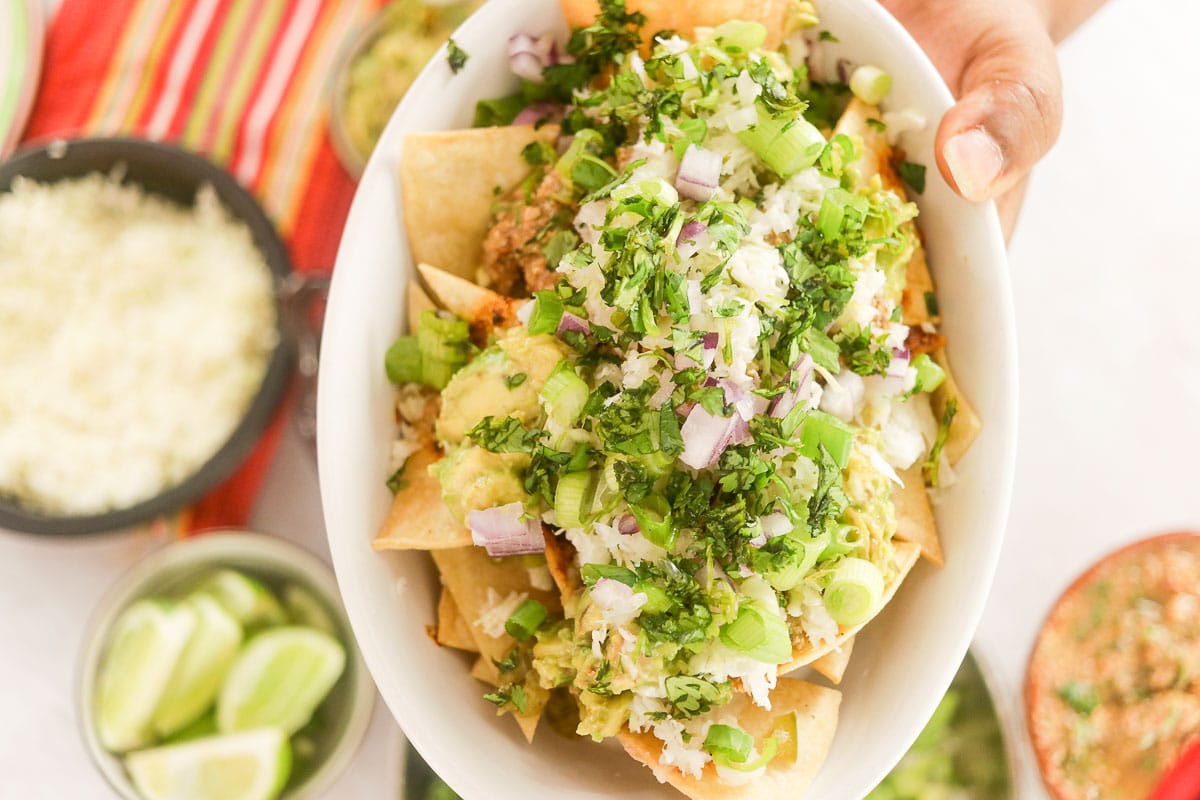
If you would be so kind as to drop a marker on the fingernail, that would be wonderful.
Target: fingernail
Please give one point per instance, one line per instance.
(975, 161)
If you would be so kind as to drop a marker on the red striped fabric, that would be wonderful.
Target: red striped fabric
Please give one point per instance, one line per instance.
(185, 71)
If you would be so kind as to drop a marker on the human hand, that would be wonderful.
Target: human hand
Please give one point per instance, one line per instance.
(997, 57)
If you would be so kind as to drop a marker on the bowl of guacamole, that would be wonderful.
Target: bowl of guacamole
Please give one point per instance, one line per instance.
(379, 64)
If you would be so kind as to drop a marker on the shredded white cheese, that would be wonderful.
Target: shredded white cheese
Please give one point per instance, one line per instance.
(133, 333)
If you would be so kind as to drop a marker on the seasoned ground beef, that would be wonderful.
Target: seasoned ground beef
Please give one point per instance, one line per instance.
(514, 260)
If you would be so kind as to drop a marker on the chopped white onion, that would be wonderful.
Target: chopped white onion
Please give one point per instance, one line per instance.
(775, 524)
(699, 173)
(529, 55)
(506, 531)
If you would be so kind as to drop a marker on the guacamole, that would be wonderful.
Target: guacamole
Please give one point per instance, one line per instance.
(409, 33)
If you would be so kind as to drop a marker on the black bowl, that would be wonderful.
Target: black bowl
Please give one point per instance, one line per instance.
(175, 174)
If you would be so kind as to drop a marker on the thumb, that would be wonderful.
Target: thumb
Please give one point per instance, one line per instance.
(1009, 111)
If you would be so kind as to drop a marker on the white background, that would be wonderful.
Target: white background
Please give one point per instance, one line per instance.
(1107, 278)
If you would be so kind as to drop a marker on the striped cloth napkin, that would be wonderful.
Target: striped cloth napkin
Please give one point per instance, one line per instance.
(244, 82)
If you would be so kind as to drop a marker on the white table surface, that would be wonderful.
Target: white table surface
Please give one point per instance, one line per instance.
(1107, 279)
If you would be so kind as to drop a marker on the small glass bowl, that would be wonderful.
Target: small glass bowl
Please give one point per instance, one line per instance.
(274, 561)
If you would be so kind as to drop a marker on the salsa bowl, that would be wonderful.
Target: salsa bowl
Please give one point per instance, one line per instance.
(905, 660)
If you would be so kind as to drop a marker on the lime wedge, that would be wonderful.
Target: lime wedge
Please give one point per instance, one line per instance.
(142, 650)
(204, 726)
(305, 609)
(201, 666)
(279, 679)
(246, 599)
(243, 766)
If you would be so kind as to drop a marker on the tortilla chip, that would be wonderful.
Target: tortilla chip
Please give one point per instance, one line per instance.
(914, 515)
(484, 671)
(560, 557)
(484, 310)
(833, 664)
(685, 17)
(418, 519)
(805, 653)
(452, 629)
(449, 180)
(965, 428)
(476, 581)
(418, 301)
(816, 710)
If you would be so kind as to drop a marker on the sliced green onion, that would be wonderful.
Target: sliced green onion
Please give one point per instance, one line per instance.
(786, 731)
(829, 218)
(930, 375)
(653, 515)
(657, 600)
(594, 572)
(546, 314)
(854, 591)
(870, 84)
(785, 144)
(760, 635)
(573, 499)
(445, 346)
(525, 621)
(845, 539)
(732, 745)
(824, 351)
(403, 361)
(564, 394)
(819, 429)
(738, 36)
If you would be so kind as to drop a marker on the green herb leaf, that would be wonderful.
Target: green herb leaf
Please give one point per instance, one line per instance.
(456, 57)
(935, 454)
(913, 175)
(1082, 697)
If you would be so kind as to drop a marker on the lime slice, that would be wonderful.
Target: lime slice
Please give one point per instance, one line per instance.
(201, 666)
(279, 679)
(243, 766)
(204, 726)
(305, 609)
(246, 599)
(142, 650)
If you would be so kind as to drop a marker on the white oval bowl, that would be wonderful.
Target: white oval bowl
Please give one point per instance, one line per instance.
(902, 663)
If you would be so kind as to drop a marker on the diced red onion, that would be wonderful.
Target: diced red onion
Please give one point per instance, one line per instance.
(706, 436)
(529, 55)
(693, 238)
(699, 173)
(571, 322)
(538, 112)
(711, 340)
(845, 68)
(506, 531)
(895, 380)
(758, 541)
(628, 525)
(739, 398)
(801, 372)
(739, 431)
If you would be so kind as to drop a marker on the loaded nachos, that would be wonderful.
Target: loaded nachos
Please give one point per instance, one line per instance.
(669, 407)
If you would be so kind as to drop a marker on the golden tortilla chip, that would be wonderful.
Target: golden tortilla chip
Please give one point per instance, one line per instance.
(914, 515)
(875, 158)
(418, 301)
(560, 557)
(806, 653)
(478, 582)
(418, 519)
(965, 428)
(684, 17)
(816, 713)
(484, 671)
(449, 180)
(484, 310)
(833, 664)
(452, 629)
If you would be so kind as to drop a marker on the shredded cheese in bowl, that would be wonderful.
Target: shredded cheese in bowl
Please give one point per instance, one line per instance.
(134, 334)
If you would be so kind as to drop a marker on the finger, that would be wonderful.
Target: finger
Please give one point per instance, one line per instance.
(1008, 206)
(1009, 112)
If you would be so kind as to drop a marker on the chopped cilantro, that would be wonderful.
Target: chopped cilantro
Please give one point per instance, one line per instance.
(877, 125)
(456, 57)
(396, 481)
(931, 304)
(1080, 696)
(513, 381)
(934, 461)
(506, 435)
